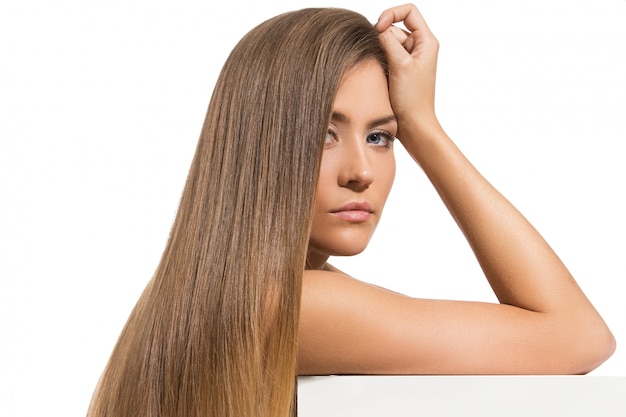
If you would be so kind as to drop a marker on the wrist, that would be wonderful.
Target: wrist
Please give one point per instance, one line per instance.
(419, 127)
(422, 136)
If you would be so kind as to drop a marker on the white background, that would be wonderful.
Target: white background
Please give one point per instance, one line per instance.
(101, 104)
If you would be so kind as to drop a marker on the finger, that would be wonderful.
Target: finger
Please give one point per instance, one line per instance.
(393, 44)
(408, 14)
(399, 34)
(403, 38)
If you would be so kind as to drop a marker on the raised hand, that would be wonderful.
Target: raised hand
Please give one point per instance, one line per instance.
(412, 57)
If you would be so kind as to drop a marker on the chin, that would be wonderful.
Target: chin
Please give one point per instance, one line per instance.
(342, 246)
(348, 252)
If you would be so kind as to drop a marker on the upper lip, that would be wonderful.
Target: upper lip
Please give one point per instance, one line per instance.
(355, 205)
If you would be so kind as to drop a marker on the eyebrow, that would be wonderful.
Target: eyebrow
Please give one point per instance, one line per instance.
(340, 117)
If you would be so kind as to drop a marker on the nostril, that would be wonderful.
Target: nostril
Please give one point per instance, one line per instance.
(357, 185)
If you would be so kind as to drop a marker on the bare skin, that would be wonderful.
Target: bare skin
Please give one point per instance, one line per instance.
(358, 166)
(543, 324)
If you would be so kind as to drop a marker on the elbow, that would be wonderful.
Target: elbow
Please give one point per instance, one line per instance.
(591, 347)
(601, 347)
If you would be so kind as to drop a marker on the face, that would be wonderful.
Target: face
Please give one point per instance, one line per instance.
(358, 166)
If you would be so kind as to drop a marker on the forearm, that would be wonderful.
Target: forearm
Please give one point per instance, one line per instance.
(521, 267)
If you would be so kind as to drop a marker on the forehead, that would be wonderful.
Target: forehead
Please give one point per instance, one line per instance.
(363, 88)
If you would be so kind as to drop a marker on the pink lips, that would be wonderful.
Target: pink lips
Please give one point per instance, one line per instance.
(354, 212)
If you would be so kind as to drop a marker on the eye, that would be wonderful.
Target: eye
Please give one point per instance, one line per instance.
(331, 137)
(380, 138)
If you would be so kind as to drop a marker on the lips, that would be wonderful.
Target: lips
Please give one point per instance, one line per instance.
(354, 211)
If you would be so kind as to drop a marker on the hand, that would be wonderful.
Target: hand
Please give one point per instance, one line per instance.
(412, 59)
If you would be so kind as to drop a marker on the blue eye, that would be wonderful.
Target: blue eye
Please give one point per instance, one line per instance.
(382, 139)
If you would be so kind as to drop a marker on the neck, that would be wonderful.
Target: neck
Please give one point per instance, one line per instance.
(315, 260)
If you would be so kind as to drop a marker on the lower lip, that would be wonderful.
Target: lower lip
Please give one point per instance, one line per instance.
(353, 215)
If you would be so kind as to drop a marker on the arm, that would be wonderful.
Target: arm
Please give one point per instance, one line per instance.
(543, 324)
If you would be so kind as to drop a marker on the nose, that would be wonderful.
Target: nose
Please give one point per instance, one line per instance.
(357, 171)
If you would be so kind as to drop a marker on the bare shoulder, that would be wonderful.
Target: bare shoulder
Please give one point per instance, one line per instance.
(348, 326)
(344, 325)
(319, 282)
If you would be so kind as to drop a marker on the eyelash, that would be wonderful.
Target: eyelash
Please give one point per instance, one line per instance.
(386, 136)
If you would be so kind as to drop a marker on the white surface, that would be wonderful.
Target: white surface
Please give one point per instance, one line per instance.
(454, 396)
(101, 104)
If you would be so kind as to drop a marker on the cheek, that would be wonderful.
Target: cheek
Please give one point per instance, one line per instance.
(327, 180)
(387, 174)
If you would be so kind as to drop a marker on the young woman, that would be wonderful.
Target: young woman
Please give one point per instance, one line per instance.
(294, 165)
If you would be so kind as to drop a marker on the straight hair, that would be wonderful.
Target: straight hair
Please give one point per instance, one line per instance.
(214, 333)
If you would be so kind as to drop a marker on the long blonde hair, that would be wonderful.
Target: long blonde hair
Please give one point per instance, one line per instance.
(214, 332)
